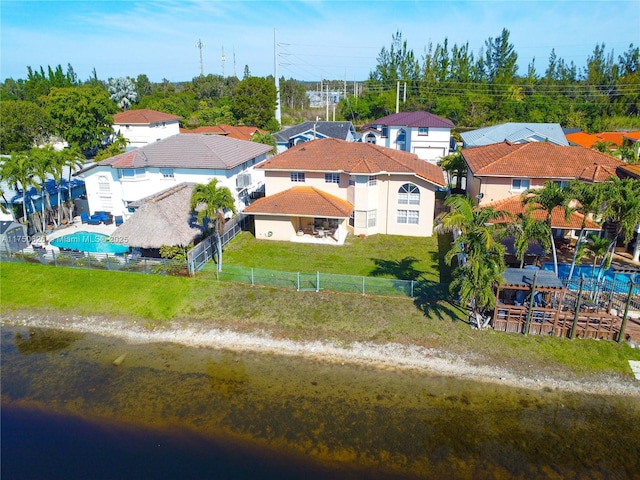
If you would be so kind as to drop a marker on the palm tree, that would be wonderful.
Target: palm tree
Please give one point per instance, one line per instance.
(455, 166)
(529, 229)
(477, 245)
(73, 159)
(550, 196)
(210, 201)
(43, 165)
(590, 197)
(19, 170)
(622, 208)
(598, 247)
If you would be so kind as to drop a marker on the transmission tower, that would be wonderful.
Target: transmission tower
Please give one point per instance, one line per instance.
(200, 46)
(223, 60)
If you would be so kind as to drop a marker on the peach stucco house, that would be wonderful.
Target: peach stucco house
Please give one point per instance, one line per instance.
(502, 170)
(324, 189)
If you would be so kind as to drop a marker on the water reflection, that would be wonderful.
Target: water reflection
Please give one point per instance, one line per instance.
(360, 419)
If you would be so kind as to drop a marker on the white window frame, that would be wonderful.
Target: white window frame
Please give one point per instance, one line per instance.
(137, 173)
(408, 217)
(373, 180)
(167, 173)
(423, 131)
(297, 177)
(104, 186)
(520, 188)
(409, 194)
(332, 178)
(372, 218)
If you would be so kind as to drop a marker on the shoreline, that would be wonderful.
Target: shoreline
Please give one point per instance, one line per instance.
(387, 356)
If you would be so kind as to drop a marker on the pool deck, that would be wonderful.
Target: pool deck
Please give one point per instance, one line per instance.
(77, 226)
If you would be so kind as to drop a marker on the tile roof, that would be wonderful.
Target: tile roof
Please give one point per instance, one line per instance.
(240, 132)
(540, 160)
(589, 140)
(413, 119)
(142, 117)
(514, 206)
(515, 132)
(306, 201)
(326, 129)
(188, 151)
(332, 155)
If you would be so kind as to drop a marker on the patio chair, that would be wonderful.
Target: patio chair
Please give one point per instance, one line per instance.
(118, 219)
(84, 216)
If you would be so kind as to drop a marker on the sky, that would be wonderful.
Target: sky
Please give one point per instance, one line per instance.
(306, 40)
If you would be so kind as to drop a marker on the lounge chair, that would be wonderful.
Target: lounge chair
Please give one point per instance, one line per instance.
(84, 216)
(119, 220)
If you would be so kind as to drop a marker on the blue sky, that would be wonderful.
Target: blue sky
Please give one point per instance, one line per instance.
(317, 39)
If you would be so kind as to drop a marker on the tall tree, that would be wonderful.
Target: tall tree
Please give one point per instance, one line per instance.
(122, 91)
(455, 166)
(622, 208)
(82, 115)
(254, 101)
(43, 163)
(18, 171)
(476, 245)
(209, 202)
(547, 198)
(23, 125)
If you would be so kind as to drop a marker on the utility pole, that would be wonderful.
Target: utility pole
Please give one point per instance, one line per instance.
(277, 80)
(235, 74)
(200, 46)
(223, 60)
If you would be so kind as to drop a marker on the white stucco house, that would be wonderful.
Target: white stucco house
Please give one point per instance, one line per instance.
(423, 133)
(113, 184)
(321, 191)
(142, 127)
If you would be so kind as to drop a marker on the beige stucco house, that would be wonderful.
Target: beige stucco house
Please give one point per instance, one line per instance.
(502, 170)
(324, 189)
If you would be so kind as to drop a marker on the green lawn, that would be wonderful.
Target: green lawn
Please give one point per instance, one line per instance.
(341, 318)
(387, 256)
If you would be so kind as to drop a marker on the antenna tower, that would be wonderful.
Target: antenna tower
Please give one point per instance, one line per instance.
(223, 60)
(200, 46)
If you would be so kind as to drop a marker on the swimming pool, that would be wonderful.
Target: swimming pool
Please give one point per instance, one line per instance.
(89, 242)
(621, 279)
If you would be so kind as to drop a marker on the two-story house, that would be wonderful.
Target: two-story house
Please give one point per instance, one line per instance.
(113, 184)
(502, 170)
(142, 127)
(423, 133)
(329, 188)
(307, 131)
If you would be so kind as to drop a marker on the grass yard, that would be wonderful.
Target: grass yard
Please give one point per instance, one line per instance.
(386, 256)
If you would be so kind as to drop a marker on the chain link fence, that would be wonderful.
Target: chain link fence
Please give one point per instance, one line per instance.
(333, 282)
(100, 261)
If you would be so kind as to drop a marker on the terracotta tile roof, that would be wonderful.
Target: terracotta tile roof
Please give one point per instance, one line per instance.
(413, 119)
(334, 155)
(306, 201)
(540, 160)
(589, 140)
(188, 151)
(142, 117)
(514, 206)
(241, 132)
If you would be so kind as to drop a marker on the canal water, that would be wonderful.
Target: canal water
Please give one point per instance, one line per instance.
(170, 411)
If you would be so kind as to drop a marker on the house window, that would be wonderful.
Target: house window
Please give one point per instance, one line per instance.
(126, 127)
(385, 132)
(103, 185)
(371, 138)
(402, 138)
(519, 184)
(423, 131)
(130, 173)
(167, 172)
(352, 180)
(371, 218)
(332, 178)
(297, 177)
(411, 217)
(373, 180)
(409, 194)
(164, 124)
(561, 183)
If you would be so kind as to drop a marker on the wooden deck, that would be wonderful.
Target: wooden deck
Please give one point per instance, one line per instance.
(560, 323)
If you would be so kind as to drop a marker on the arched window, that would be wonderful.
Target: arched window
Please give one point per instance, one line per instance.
(371, 138)
(409, 194)
(103, 185)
